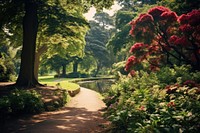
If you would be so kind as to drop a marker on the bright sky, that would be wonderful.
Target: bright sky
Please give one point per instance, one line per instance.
(111, 12)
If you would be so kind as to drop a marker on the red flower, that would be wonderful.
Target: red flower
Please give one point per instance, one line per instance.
(173, 39)
(169, 16)
(130, 62)
(157, 11)
(186, 28)
(194, 18)
(132, 73)
(190, 83)
(153, 48)
(137, 46)
(142, 108)
(183, 41)
(154, 68)
(133, 25)
(145, 18)
(183, 19)
(171, 104)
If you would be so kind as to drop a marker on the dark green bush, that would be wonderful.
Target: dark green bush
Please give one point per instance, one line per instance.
(21, 101)
(7, 69)
(25, 101)
(4, 105)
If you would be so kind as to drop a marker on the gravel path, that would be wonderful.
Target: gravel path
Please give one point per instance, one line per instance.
(81, 115)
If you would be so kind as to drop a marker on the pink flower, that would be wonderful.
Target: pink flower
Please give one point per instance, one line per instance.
(137, 46)
(157, 11)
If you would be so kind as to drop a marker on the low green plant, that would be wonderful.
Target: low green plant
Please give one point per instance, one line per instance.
(4, 105)
(146, 103)
(21, 101)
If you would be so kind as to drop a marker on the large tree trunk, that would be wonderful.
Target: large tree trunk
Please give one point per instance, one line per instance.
(30, 26)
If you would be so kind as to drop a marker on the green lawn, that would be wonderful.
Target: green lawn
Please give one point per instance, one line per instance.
(59, 82)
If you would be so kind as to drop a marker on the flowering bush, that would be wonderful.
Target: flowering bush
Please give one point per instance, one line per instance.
(166, 38)
(164, 101)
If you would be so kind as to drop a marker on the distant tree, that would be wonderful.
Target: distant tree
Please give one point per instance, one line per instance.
(121, 38)
(181, 6)
(103, 19)
(96, 41)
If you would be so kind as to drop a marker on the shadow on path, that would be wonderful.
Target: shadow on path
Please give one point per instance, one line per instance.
(82, 115)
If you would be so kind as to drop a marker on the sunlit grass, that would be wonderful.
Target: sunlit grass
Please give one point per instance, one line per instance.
(58, 82)
(63, 84)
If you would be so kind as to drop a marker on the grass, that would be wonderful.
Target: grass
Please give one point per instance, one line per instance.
(59, 82)
(63, 84)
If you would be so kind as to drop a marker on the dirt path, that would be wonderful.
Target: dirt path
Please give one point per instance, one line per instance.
(81, 115)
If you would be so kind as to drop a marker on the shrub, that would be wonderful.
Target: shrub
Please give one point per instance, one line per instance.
(21, 101)
(146, 103)
(7, 68)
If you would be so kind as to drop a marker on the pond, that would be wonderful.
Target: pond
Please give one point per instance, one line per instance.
(100, 85)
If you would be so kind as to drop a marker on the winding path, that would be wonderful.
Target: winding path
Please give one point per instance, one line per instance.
(81, 115)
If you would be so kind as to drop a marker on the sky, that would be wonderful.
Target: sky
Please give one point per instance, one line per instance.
(111, 12)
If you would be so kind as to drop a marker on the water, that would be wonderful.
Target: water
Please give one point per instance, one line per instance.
(97, 85)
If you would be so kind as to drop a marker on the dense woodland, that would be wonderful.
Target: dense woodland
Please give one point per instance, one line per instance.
(152, 48)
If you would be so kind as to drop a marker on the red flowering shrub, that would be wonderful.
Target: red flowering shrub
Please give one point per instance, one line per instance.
(183, 19)
(137, 46)
(186, 28)
(157, 11)
(167, 38)
(169, 16)
(145, 18)
(130, 62)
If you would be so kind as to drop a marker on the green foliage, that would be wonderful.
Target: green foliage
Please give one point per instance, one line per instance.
(155, 102)
(178, 74)
(4, 105)
(21, 101)
(180, 6)
(7, 69)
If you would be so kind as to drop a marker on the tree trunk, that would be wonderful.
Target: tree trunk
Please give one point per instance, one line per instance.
(97, 71)
(75, 67)
(26, 76)
(63, 70)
